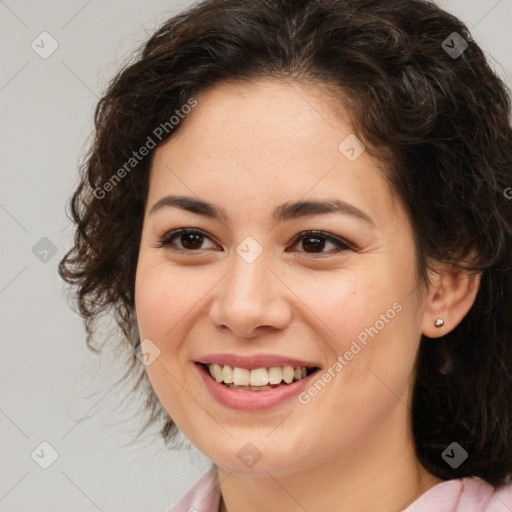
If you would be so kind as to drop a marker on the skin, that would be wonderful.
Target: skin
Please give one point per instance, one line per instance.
(248, 148)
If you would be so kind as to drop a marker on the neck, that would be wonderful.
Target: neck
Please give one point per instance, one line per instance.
(381, 472)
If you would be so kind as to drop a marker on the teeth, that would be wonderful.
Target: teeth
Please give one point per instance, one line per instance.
(275, 375)
(227, 374)
(288, 374)
(216, 372)
(241, 376)
(260, 378)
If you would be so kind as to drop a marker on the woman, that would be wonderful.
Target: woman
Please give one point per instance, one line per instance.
(297, 212)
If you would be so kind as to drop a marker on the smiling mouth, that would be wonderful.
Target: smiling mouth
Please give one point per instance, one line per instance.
(257, 379)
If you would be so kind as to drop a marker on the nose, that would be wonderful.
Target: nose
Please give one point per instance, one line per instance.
(250, 300)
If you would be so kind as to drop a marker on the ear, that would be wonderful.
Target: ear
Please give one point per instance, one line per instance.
(451, 294)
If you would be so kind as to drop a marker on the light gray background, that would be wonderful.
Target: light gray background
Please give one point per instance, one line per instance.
(52, 388)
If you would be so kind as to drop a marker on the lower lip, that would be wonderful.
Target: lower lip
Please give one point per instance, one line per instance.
(252, 400)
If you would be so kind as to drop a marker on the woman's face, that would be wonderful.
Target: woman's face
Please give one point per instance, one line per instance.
(249, 291)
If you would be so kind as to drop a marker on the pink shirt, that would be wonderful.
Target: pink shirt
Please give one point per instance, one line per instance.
(459, 495)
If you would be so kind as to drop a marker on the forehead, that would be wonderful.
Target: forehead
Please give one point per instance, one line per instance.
(263, 143)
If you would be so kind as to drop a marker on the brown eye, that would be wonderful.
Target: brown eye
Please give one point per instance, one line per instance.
(316, 241)
(311, 242)
(188, 240)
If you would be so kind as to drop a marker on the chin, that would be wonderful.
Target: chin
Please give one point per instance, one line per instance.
(252, 459)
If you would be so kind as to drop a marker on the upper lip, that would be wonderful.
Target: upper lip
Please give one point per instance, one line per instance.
(255, 361)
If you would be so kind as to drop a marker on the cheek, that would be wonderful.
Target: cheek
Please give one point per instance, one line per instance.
(352, 303)
(164, 296)
(155, 303)
(373, 338)
(370, 320)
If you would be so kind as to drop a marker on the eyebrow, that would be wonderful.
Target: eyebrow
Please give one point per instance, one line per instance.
(283, 212)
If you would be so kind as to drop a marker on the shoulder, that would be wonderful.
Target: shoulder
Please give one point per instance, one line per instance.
(501, 500)
(470, 494)
(478, 495)
(203, 497)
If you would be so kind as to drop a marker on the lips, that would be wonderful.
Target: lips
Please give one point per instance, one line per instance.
(256, 361)
(262, 396)
(251, 400)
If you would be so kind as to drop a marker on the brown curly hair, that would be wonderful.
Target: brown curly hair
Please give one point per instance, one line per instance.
(438, 120)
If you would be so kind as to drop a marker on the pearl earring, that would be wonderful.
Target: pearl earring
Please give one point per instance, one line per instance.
(439, 322)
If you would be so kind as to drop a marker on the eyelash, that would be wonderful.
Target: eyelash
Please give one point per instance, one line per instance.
(342, 246)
